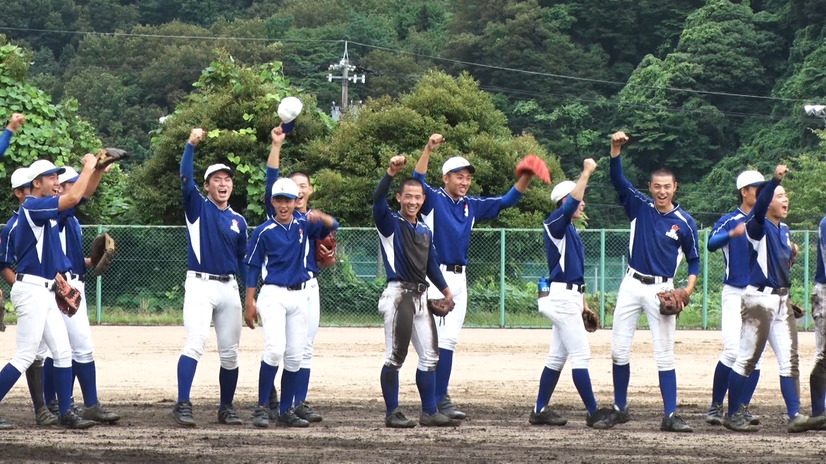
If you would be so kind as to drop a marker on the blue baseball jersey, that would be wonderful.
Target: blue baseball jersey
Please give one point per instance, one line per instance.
(7, 241)
(216, 238)
(735, 249)
(771, 244)
(563, 246)
(820, 274)
(452, 220)
(309, 251)
(278, 251)
(407, 248)
(72, 241)
(37, 238)
(5, 140)
(658, 240)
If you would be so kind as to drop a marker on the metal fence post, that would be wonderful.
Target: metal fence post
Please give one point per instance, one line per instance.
(705, 277)
(98, 286)
(602, 274)
(502, 278)
(807, 297)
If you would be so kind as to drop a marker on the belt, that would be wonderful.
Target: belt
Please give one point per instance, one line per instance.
(576, 287)
(295, 287)
(42, 281)
(782, 291)
(204, 276)
(454, 268)
(646, 279)
(412, 286)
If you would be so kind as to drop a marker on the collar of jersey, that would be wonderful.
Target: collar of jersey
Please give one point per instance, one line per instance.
(455, 202)
(216, 205)
(282, 225)
(675, 208)
(405, 220)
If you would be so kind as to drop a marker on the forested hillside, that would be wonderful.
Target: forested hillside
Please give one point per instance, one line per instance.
(708, 88)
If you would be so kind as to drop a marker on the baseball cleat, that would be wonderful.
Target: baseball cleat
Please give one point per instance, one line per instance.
(182, 413)
(304, 411)
(260, 417)
(597, 420)
(397, 420)
(715, 414)
(273, 404)
(802, 423)
(45, 418)
(98, 414)
(616, 416)
(289, 419)
(447, 408)
(546, 416)
(437, 419)
(5, 425)
(73, 421)
(54, 408)
(738, 422)
(674, 423)
(227, 415)
(753, 420)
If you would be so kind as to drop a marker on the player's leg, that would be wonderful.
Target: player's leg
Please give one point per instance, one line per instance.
(199, 301)
(575, 343)
(730, 322)
(273, 316)
(557, 355)
(302, 383)
(626, 314)
(296, 340)
(448, 333)
(817, 379)
(228, 335)
(425, 342)
(396, 306)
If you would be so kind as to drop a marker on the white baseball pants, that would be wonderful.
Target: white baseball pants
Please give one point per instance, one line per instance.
(38, 319)
(767, 318)
(80, 333)
(569, 337)
(208, 301)
(406, 320)
(313, 321)
(819, 315)
(448, 330)
(730, 323)
(283, 315)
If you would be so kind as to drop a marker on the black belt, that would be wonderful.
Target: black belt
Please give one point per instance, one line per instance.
(578, 288)
(295, 287)
(68, 275)
(782, 291)
(648, 280)
(219, 278)
(455, 268)
(413, 287)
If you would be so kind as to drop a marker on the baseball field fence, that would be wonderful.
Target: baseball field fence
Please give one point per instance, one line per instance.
(145, 285)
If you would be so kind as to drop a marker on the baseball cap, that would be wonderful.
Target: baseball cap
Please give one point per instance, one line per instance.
(20, 178)
(457, 163)
(285, 187)
(563, 188)
(747, 178)
(43, 168)
(288, 110)
(213, 168)
(69, 176)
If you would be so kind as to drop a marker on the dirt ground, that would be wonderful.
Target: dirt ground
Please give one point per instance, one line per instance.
(495, 380)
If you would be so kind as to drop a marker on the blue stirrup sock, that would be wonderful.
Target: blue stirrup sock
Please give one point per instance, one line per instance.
(8, 377)
(622, 375)
(789, 387)
(736, 387)
(582, 382)
(443, 369)
(390, 388)
(228, 380)
(668, 390)
(49, 393)
(186, 373)
(266, 377)
(302, 385)
(63, 385)
(751, 385)
(287, 390)
(547, 385)
(426, 382)
(720, 383)
(87, 378)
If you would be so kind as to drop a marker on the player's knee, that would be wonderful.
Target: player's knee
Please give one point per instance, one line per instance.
(83, 356)
(229, 361)
(580, 360)
(664, 358)
(272, 358)
(427, 364)
(728, 357)
(555, 362)
(195, 346)
(63, 358)
(394, 362)
(620, 355)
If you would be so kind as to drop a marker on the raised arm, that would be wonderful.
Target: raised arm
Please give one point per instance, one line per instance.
(73, 197)
(17, 120)
(434, 142)
(617, 177)
(754, 227)
(381, 210)
(721, 236)
(273, 165)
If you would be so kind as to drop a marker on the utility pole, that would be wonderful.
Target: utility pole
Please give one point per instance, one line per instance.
(345, 77)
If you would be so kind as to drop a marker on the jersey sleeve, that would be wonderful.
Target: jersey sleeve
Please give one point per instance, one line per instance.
(756, 223)
(557, 222)
(191, 195)
(691, 249)
(821, 240)
(42, 209)
(272, 176)
(381, 210)
(434, 272)
(5, 141)
(490, 207)
(719, 234)
(429, 194)
(7, 251)
(630, 198)
(317, 229)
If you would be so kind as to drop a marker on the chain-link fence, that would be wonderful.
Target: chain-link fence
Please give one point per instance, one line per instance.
(148, 274)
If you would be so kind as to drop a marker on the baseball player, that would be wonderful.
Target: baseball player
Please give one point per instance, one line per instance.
(40, 258)
(302, 409)
(451, 214)
(22, 187)
(766, 316)
(409, 257)
(277, 252)
(661, 233)
(817, 379)
(728, 236)
(565, 302)
(217, 240)
(17, 120)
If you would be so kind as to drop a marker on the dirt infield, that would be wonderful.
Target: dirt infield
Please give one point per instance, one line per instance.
(495, 381)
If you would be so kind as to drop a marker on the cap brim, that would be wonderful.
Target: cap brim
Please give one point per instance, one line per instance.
(73, 179)
(469, 167)
(285, 195)
(228, 171)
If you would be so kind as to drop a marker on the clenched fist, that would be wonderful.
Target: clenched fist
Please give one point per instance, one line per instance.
(617, 141)
(435, 141)
(397, 163)
(196, 136)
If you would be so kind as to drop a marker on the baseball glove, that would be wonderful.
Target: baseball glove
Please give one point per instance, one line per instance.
(534, 165)
(591, 320)
(67, 297)
(103, 253)
(107, 156)
(440, 307)
(326, 258)
(672, 303)
(796, 309)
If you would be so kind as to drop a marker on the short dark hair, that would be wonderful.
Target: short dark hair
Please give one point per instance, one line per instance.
(412, 182)
(300, 173)
(663, 171)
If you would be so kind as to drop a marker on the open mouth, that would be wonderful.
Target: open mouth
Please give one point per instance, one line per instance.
(222, 191)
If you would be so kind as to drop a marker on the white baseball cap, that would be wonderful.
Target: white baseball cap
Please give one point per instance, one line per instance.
(43, 168)
(285, 187)
(20, 178)
(457, 163)
(213, 168)
(562, 189)
(288, 110)
(747, 178)
(69, 176)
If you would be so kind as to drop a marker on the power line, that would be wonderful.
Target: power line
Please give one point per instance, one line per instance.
(166, 36)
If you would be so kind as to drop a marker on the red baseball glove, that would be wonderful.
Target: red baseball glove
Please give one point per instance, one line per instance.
(534, 165)
(325, 251)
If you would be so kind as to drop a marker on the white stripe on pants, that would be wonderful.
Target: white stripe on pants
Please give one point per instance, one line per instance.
(633, 298)
(767, 318)
(406, 320)
(569, 338)
(38, 319)
(284, 319)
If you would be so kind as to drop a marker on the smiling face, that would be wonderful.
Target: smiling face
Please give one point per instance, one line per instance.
(305, 190)
(457, 183)
(46, 185)
(219, 188)
(284, 208)
(411, 198)
(779, 207)
(662, 188)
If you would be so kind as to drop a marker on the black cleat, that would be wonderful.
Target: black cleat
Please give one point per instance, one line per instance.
(182, 413)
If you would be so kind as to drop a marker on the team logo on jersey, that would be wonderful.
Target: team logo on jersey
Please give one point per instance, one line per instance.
(300, 235)
(672, 233)
(234, 227)
(466, 209)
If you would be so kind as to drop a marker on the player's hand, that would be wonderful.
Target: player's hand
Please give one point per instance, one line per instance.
(278, 135)
(738, 231)
(780, 172)
(89, 160)
(617, 141)
(251, 314)
(589, 166)
(315, 216)
(435, 141)
(196, 136)
(324, 250)
(397, 163)
(17, 120)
